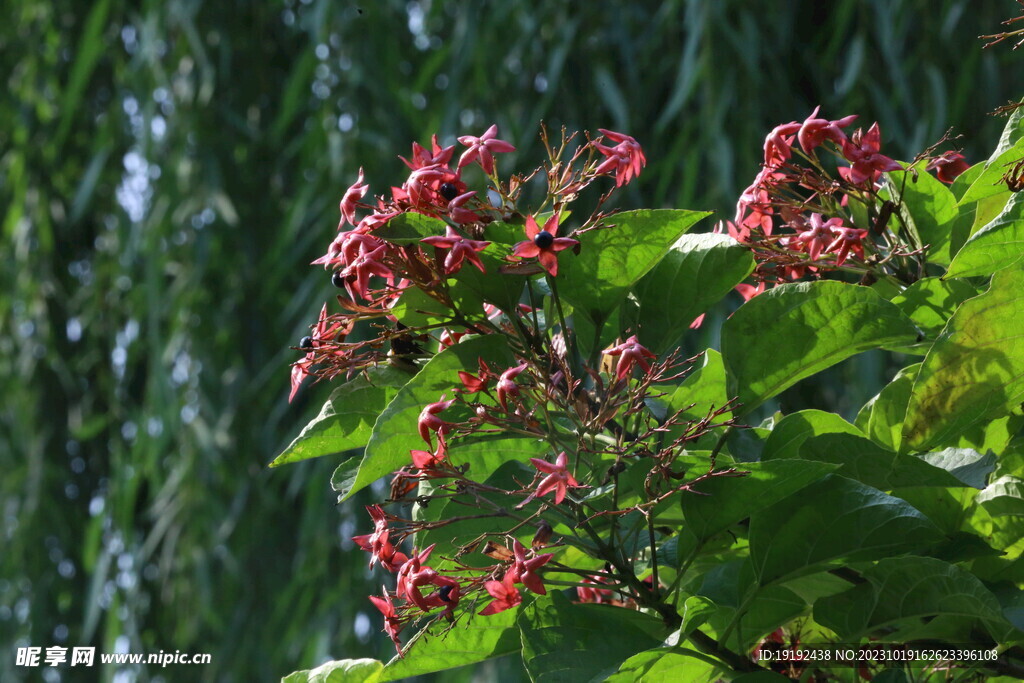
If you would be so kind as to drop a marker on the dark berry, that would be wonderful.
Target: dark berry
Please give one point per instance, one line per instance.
(544, 239)
(443, 592)
(337, 279)
(306, 343)
(449, 191)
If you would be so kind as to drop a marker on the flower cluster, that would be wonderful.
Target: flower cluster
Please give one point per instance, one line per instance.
(420, 235)
(800, 215)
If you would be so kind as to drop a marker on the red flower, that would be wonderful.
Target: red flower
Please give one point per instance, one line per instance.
(862, 151)
(778, 145)
(430, 422)
(475, 384)
(425, 460)
(460, 248)
(483, 148)
(847, 240)
(506, 596)
(543, 243)
(815, 131)
(632, 353)
(524, 570)
(392, 623)
(377, 543)
(593, 594)
(352, 196)
(948, 166)
(626, 158)
(818, 234)
(421, 157)
(507, 384)
(558, 480)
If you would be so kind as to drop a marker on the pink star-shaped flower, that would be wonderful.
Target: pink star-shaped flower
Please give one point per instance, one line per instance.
(483, 148)
(425, 460)
(626, 158)
(351, 198)
(818, 234)
(460, 249)
(422, 157)
(559, 478)
(847, 240)
(524, 570)
(505, 594)
(543, 243)
(507, 384)
(429, 421)
(862, 151)
(392, 622)
(815, 131)
(632, 353)
(948, 166)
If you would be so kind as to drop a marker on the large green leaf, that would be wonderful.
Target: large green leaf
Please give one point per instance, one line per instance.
(930, 302)
(881, 418)
(836, 519)
(697, 272)
(395, 433)
(998, 245)
(664, 664)
(568, 642)
(794, 429)
(929, 206)
(613, 259)
(473, 639)
(975, 370)
(410, 228)
(340, 671)
(796, 330)
(727, 500)
(1004, 496)
(346, 420)
(902, 589)
(1009, 149)
(874, 465)
(747, 611)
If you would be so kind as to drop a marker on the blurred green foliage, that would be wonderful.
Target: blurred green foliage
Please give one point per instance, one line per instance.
(168, 169)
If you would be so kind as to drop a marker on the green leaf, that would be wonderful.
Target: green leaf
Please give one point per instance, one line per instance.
(569, 642)
(989, 181)
(791, 431)
(395, 432)
(346, 420)
(833, 520)
(503, 290)
(340, 671)
(974, 371)
(881, 418)
(344, 477)
(474, 639)
(998, 245)
(930, 302)
(795, 330)
(747, 611)
(727, 500)
(665, 664)
(874, 465)
(967, 465)
(1004, 496)
(410, 228)
(612, 259)
(697, 272)
(903, 589)
(930, 207)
